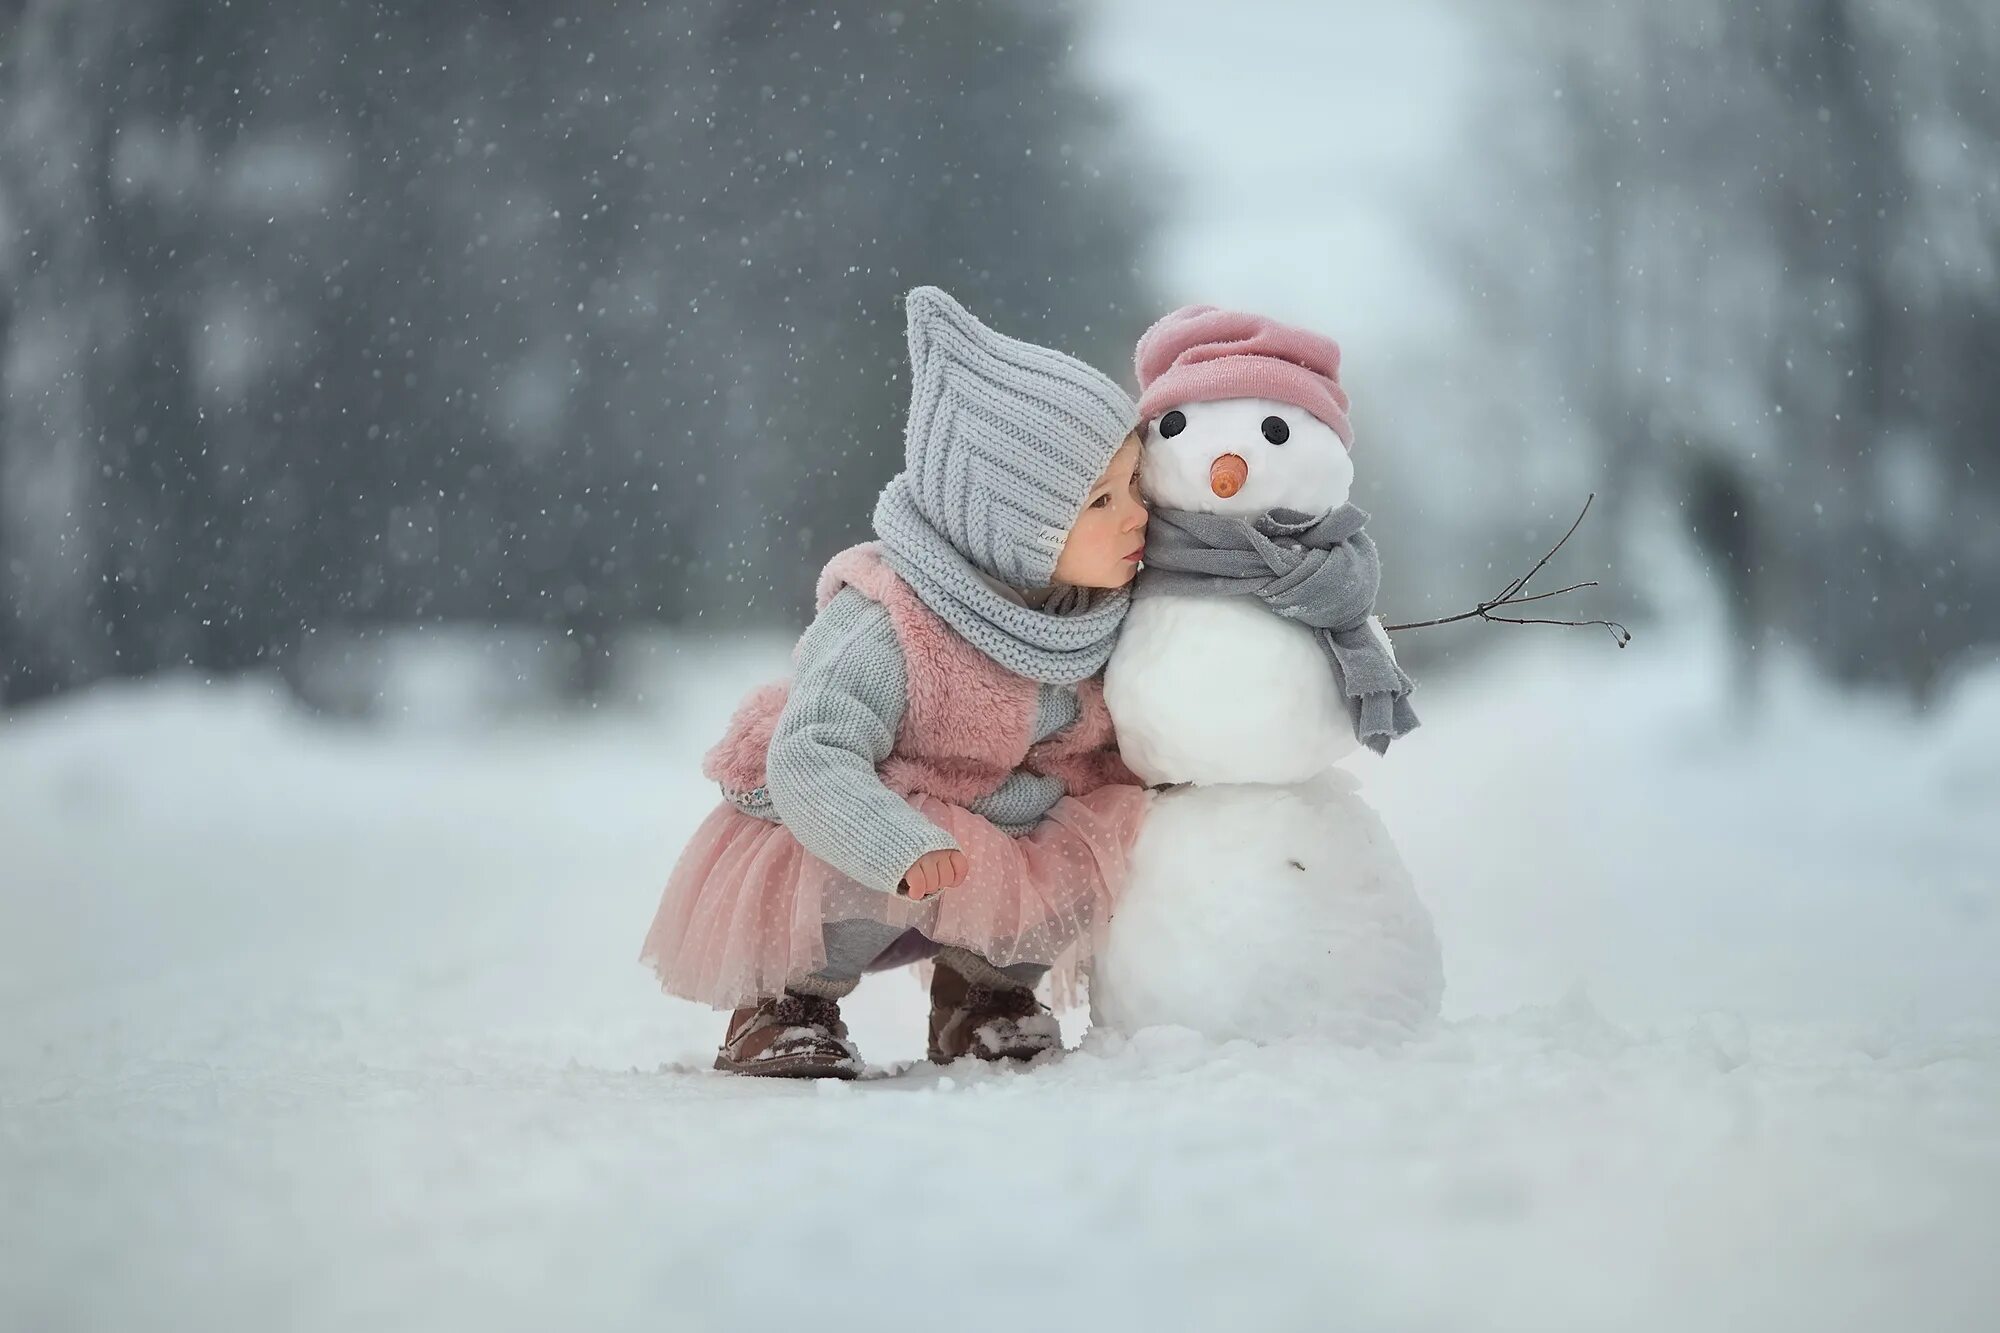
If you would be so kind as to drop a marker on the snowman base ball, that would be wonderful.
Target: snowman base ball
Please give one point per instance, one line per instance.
(1267, 912)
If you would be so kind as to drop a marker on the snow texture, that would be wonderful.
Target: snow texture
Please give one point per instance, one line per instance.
(308, 1027)
(1222, 689)
(1264, 912)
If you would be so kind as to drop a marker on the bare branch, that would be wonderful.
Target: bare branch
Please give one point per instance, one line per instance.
(1544, 596)
(1510, 596)
(1521, 583)
(1619, 634)
(1479, 611)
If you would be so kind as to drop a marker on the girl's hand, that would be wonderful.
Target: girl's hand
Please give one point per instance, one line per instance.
(935, 871)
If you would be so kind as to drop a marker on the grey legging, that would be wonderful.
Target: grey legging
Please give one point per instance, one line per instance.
(855, 947)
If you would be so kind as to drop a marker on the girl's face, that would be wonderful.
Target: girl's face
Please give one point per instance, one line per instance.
(1104, 547)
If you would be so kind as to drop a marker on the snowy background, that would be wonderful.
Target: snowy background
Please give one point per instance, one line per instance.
(354, 672)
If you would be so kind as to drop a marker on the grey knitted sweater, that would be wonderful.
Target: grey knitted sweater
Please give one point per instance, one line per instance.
(849, 689)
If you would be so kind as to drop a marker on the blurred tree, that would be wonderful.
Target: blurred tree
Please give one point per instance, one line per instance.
(357, 314)
(55, 311)
(13, 649)
(1765, 243)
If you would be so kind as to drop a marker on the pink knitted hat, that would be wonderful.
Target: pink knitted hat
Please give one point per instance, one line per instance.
(1199, 354)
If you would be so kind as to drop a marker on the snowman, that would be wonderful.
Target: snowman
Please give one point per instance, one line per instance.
(1265, 898)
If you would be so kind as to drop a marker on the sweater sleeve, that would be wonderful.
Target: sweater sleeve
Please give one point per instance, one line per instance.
(849, 689)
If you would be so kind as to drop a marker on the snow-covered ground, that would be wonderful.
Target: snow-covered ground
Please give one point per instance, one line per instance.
(315, 1027)
(305, 1026)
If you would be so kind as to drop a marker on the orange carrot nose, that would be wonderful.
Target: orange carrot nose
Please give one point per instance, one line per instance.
(1227, 474)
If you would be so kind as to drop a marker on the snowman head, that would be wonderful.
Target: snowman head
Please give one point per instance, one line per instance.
(1243, 456)
(1243, 414)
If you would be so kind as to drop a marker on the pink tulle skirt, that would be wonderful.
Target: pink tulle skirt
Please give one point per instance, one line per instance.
(742, 911)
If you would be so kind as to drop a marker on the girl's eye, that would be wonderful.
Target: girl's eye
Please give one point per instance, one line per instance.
(1101, 502)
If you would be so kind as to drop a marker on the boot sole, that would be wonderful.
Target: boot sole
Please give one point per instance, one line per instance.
(795, 1066)
(938, 1057)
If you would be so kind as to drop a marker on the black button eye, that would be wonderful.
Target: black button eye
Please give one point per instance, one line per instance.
(1276, 431)
(1172, 424)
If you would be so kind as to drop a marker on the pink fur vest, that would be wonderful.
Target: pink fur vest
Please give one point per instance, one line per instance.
(969, 719)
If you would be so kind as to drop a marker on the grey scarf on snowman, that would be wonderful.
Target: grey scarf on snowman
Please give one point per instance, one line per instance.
(1321, 571)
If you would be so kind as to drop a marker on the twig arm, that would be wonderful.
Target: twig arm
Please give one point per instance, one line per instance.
(1510, 596)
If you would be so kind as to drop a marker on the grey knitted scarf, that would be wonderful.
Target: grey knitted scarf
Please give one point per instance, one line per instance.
(1321, 571)
(1064, 640)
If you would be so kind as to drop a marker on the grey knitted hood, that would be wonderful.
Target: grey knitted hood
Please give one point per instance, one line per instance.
(1004, 440)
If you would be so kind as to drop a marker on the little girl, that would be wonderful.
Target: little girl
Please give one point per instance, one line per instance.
(938, 780)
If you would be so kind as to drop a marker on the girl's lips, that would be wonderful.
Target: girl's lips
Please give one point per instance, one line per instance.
(1137, 555)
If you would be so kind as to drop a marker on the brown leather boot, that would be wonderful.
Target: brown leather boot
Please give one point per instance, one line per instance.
(793, 1036)
(998, 1021)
